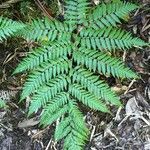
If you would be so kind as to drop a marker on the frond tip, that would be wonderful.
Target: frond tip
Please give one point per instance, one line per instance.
(9, 27)
(78, 135)
(75, 11)
(110, 14)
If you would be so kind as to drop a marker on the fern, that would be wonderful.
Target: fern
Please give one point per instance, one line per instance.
(9, 27)
(43, 74)
(66, 69)
(107, 15)
(94, 85)
(108, 39)
(103, 63)
(53, 50)
(2, 104)
(46, 29)
(75, 11)
(87, 98)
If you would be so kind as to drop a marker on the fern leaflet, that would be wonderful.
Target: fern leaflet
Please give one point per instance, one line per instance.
(2, 104)
(9, 27)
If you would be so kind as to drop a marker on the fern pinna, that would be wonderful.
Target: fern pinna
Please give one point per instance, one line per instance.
(66, 69)
(2, 104)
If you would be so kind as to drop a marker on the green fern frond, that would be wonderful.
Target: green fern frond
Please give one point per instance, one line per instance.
(103, 63)
(55, 104)
(79, 132)
(48, 118)
(43, 74)
(43, 54)
(107, 15)
(108, 39)
(75, 11)
(94, 85)
(72, 142)
(9, 27)
(87, 98)
(77, 116)
(47, 92)
(2, 104)
(47, 30)
(63, 129)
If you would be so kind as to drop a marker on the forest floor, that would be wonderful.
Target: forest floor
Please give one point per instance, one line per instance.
(127, 129)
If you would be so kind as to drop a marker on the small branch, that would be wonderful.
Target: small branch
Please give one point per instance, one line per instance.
(130, 85)
(49, 143)
(39, 4)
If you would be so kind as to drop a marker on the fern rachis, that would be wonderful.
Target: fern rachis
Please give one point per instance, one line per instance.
(66, 69)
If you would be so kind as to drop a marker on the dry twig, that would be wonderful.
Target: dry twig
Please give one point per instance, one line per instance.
(7, 4)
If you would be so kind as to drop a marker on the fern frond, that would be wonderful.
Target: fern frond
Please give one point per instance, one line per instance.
(63, 129)
(71, 127)
(59, 101)
(110, 14)
(77, 116)
(108, 39)
(79, 132)
(95, 85)
(9, 27)
(43, 74)
(87, 98)
(103, 63)
(44, 54)
(72, 142)
(48, 118)
(47, 92)
(75, 11)
(2, 104)
(48, 30)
